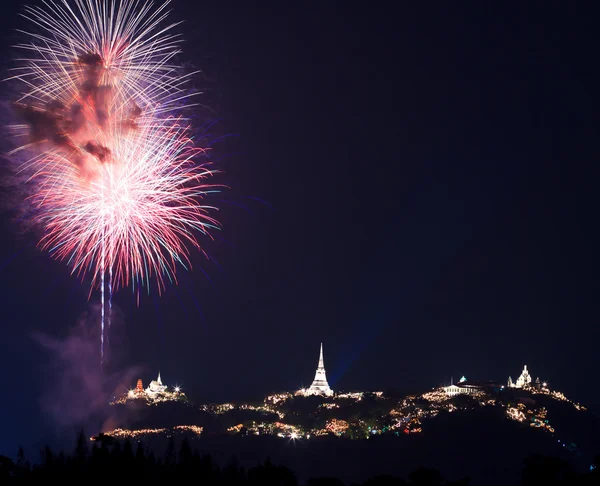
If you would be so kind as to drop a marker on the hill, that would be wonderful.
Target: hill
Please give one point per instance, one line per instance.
(484, 431)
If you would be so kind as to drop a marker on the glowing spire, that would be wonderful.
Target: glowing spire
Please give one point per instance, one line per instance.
(320, 385)
(321, 362)
(158, 380)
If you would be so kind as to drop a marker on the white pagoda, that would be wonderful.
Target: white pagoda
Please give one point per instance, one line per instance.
(319, 385)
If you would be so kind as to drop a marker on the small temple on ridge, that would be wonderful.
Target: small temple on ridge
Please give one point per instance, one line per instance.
(523, 381)
(156, 391)
(319, 385)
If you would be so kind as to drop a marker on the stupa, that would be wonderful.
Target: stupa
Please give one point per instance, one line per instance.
(319, 385)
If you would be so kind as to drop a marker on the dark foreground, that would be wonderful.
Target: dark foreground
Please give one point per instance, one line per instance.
(110, 460)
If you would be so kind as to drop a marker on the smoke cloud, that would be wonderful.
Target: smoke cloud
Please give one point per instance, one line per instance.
(78, 388)
(99, 151)
(64, 127)
(43, 124)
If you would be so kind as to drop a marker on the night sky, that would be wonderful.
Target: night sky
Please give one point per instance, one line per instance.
(414, 187)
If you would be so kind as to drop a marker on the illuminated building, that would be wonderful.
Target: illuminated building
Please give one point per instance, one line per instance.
(319, 385)
(154, 393)
(456, 389)
(156, 387)
(523, 381)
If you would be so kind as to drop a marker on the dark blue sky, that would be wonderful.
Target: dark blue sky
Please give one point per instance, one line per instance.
(429, 209)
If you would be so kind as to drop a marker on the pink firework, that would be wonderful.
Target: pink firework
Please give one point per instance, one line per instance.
(135, 214)
(117, 53)
(112, 168)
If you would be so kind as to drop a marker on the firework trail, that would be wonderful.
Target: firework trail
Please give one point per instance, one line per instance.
(113, 169)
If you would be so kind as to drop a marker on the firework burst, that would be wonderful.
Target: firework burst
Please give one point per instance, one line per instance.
(133, 215)
(115, 53)
(114, 174)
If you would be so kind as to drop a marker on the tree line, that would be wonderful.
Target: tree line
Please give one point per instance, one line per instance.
(113, 460)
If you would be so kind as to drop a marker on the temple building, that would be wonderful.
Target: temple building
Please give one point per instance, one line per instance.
(319, 385)
(522, 381)
(154, 393)
(453, 389)
(155, 387)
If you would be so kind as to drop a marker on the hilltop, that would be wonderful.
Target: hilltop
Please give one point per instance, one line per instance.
(442, 428)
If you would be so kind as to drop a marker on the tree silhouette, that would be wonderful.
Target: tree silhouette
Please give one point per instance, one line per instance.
(324, 482)
(270, 475)
(185, 453)
(385, 481)
(425, 477)
(81, 449)
(170, 458)
(459, 482)
(7, 468)
(232, 473)
(22, 467)
(108, 460)
(549, 471)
